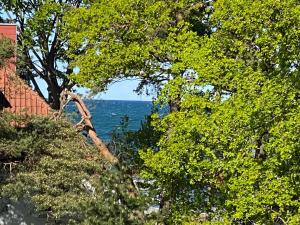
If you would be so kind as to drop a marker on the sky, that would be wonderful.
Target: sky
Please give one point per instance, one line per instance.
(123, 90)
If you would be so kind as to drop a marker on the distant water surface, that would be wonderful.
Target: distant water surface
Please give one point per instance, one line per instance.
(107, 114)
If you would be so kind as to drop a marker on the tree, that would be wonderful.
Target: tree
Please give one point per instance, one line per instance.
(50, 166)
(146, 40)
(229, 147)
(7, 50)
(42, 49)
(233, 150)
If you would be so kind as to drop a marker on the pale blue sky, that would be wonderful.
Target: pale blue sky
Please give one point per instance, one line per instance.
(122, 90)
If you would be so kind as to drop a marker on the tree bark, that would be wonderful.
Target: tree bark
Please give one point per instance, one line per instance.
(41, 57)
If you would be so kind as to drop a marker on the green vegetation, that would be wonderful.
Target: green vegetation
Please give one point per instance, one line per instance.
(229, 147)
(50, 166)
(228, 150)
(7, 50)
(147, 40)
(234, 143)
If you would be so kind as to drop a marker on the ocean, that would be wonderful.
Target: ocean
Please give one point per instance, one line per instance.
(107, 114)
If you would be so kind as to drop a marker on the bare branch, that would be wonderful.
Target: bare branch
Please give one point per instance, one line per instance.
(88, 126)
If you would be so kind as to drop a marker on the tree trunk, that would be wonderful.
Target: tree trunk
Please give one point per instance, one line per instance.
(88, 126)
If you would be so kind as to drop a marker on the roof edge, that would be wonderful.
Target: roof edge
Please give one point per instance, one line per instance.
(8, 24)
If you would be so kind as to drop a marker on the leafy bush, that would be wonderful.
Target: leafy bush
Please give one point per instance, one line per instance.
(50, 165)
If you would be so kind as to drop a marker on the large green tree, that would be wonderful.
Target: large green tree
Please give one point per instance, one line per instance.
(42, 49)
(147, 40)
(233, 150)
(229, 147)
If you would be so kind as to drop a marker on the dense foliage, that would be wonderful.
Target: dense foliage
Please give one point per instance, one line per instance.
(51, 167)
(134, 39)
(7, 50)
(234, 143)
(229, 150)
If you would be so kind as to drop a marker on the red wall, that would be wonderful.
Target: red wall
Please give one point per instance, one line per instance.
(21, 98)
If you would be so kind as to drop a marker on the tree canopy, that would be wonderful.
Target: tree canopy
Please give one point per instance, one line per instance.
(230, 149)
(227, 152)
(147, 40)
(234, 143)
(42, 48)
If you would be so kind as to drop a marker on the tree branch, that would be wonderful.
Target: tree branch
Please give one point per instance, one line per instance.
(88, 126)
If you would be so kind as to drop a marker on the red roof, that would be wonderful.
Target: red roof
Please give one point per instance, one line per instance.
(15, 96)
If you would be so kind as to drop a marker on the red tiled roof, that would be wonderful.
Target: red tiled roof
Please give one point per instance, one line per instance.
(16, 96)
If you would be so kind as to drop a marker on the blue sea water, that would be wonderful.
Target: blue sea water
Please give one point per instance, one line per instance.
(107, 114)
